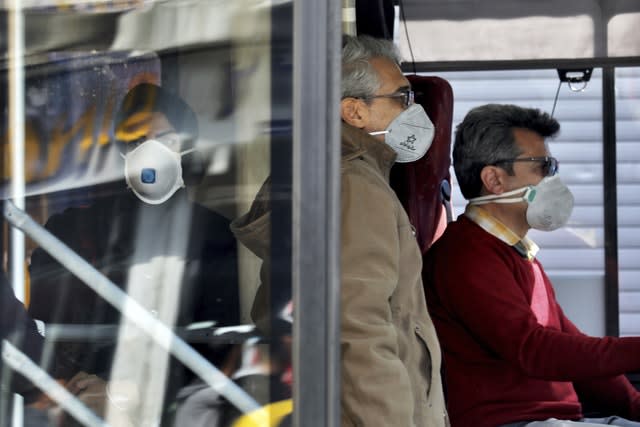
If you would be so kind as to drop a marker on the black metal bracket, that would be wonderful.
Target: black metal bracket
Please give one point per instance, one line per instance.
(575, 75)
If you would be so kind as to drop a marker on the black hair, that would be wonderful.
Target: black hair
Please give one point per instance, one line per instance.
(150, 98)
(485, 136)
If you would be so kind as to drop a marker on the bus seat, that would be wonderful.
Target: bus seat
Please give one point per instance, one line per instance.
(423, 186)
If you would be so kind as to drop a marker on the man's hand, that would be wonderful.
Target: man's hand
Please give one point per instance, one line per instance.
(111, 401)
(91, 390)
(43, 402)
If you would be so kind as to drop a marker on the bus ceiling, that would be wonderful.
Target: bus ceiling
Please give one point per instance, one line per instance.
(503, 34)
(433, 35)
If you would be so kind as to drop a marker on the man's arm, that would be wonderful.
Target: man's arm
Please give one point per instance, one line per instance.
(21, 331)
(486, 296)
(376, 388)
(608, 395)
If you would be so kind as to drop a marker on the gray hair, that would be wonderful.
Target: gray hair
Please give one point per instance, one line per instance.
(359, 78)
(485, 136)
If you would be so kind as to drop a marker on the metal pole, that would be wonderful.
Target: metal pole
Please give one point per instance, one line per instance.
(22, 364)
(131, 309)
(349, 17)
(16, 131)
(16, 91)
(316, 212)
(610, 201)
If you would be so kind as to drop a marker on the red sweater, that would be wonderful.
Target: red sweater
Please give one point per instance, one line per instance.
(510, 352)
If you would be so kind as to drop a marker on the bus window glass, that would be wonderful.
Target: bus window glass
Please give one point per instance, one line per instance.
(155, 134)
(628, 190)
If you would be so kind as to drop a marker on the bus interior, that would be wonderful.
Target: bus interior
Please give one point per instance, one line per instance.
(261, 79)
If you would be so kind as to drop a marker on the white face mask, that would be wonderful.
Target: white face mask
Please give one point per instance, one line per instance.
(550, 202)
(153, 171)
(410, 134)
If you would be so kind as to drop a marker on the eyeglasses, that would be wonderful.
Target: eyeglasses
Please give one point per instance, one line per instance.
(407, 96)
(549, 165)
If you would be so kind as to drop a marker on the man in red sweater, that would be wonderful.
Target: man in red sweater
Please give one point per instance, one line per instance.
(512, 357)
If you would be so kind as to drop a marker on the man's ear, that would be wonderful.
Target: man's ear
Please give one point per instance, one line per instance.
(354, 112)
(494, 179)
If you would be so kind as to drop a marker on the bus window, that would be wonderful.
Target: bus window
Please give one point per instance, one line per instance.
(628, 153)
(146, 136)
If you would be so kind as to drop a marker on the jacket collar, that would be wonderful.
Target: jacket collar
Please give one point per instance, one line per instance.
(357, 143)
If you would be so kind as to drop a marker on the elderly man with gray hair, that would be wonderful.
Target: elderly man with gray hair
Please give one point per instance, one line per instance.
(390, 352)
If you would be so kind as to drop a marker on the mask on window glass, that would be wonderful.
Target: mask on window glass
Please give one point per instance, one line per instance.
(410, 134)
(153, 171)
(550, 203)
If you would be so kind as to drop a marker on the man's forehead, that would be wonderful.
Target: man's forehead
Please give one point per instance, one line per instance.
(143, 124)
(159, 123)
(530, 142)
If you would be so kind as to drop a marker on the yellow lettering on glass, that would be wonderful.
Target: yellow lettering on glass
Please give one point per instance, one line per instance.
(32, 154)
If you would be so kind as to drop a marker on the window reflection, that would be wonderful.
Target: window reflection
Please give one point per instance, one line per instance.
(141, 148)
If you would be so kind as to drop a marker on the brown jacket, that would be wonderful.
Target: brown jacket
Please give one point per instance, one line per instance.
(390, 353)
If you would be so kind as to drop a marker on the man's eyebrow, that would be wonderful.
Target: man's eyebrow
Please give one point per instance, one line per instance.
(163, 133)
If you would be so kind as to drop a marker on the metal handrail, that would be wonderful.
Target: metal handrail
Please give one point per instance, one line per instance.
(130, 308)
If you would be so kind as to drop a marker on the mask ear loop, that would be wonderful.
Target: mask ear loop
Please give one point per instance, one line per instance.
(383, 132)
(182, 153)
(504, 197)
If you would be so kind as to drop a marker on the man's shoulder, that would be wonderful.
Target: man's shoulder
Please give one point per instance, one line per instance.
(121, 206)
(459, 228)
(356, 166)
(461, 237)
(84, 214)
(364, 188)
(465, 243)
(210, 223)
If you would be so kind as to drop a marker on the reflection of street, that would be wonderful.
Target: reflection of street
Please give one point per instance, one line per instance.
(260, 368)
(219, 57)
(156, 282)
(69, 107)
(86, 6)
(176, 261)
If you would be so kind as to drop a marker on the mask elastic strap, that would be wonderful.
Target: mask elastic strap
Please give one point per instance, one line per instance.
(502, 198)
(380, 132)
(182, 153)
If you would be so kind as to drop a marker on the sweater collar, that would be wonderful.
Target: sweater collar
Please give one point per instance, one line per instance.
(525, 246)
